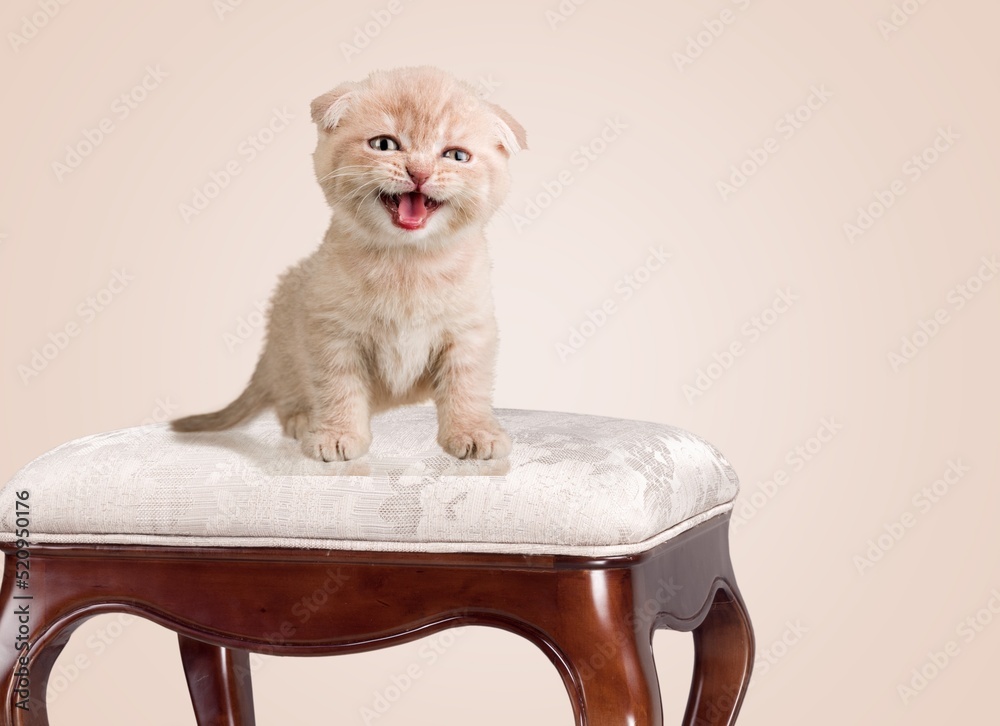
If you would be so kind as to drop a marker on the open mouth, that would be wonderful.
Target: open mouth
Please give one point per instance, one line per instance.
(410, 210)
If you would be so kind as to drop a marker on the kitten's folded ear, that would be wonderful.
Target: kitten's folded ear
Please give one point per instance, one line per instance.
(330, 107)
(513, 137)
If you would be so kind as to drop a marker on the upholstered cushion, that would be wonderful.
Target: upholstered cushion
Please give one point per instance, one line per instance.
(574, 484)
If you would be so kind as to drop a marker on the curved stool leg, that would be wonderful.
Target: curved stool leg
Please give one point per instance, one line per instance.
(723, 660)
(219, 682)
(24, 616)
(617, 684)
(606, 663)
(33, 711)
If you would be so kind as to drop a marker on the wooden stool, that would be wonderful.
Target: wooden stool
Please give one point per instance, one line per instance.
(594, 533)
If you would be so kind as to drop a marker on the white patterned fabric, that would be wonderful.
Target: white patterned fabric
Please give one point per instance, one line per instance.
(573, 484)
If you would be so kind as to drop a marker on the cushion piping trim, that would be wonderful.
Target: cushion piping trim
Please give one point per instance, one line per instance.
(529, 548)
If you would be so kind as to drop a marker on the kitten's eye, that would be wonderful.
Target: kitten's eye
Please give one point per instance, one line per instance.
(457, 154)
(384, 143)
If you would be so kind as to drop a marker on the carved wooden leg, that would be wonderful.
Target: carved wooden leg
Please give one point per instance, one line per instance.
(219, 682)
(723, 660)
(26, 615)
(32, 710)
(606, 662)
(620, 689)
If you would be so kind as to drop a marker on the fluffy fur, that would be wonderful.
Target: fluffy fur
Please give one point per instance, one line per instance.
(395, 306)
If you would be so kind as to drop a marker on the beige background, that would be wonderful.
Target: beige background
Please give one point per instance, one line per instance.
(161, 346)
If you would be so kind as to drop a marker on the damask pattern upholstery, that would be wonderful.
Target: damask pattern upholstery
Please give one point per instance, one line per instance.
(574, 484)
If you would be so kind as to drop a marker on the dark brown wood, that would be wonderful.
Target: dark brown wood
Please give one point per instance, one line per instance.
(219, 682)
(723, 661)
(593, 617)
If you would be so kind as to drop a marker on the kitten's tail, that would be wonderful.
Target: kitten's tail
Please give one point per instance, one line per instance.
(249, 402)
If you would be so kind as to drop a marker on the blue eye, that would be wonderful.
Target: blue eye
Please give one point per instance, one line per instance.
(457, 154)
(384, 143)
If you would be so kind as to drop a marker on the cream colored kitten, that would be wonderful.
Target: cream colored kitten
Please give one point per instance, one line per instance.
(395, 305)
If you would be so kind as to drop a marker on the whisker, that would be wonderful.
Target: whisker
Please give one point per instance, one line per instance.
(365, 199)
(345, 170)
(357, 191)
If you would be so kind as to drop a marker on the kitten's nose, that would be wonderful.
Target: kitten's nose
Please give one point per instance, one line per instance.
(419, 176)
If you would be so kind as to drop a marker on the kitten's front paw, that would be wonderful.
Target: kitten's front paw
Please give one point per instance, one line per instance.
(327, 445)
(296, 425)
(483, 441)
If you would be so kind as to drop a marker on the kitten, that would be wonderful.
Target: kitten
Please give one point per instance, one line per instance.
(395, 306)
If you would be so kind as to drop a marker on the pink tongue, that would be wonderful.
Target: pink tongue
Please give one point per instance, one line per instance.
(411, 208)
